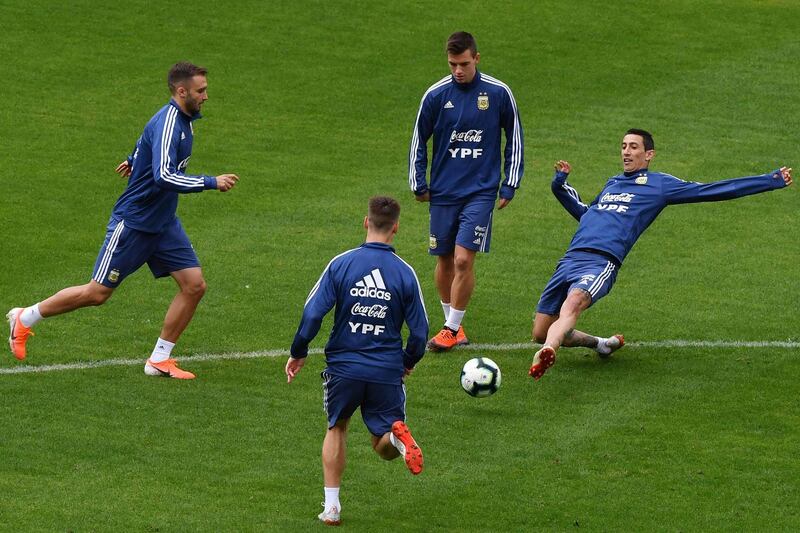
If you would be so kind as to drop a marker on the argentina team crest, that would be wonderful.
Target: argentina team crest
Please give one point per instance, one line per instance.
(483, 101)
(113, 276)
(432, 242)
(641, 179)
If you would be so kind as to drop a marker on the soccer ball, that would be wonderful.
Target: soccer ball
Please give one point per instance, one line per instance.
(480, 377)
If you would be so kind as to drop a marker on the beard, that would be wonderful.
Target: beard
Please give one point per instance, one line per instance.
(192, 105)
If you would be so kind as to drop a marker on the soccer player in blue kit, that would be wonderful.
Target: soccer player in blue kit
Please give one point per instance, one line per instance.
(144, 228)
(374, 292)
(465, 113)
(607, 230)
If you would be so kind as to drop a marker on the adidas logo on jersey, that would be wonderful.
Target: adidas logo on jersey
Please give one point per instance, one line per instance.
(371, 286)
(449, 105)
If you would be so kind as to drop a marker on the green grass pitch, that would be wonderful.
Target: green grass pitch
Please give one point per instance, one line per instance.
(312, 104)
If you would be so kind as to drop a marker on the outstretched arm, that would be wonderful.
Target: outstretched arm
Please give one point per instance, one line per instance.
(565, 194)
(677, 191)
(165, 161)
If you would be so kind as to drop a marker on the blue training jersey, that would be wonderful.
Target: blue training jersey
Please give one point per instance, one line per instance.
(374, 292)
(630, 202)
(159, 163)
(466, 121)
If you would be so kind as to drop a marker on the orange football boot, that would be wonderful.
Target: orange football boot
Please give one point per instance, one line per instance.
(461, 337)
(19, 334)
(443, 341)
(409, 449)
(167, 369)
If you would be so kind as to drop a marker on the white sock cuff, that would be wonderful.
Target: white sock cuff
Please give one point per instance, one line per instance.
(30, 316)
(162, 350)
(397, 444)
(446, 309)
(454, 318)
(332, 498)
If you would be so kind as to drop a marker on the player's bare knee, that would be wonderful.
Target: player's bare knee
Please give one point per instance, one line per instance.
(96, 294)
(462, 263)
(576, 303)
(541, 325)
(195, 289)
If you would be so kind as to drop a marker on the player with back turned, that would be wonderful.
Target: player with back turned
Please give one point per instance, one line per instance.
(143, 227)
(466, 113)
(607, 230)
(374, 292)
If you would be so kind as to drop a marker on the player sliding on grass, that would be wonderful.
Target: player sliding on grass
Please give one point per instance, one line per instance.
(144, 228)
(374, 292)
(607, 230)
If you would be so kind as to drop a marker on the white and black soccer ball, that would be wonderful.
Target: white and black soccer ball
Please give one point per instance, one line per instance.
(480, 377)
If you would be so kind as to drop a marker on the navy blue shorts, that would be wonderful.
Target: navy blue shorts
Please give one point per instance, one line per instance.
(126, 249)
(591, 272)
(381, 405)
(468, 225)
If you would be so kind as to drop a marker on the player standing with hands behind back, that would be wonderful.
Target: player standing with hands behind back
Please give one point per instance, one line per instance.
(144, 228)
(465, 113)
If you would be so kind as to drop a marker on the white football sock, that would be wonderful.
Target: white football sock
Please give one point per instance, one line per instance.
(397, 444)
(446, 309)
(162, 350)
(332, 498)
(30, 316)
(602, 347)
(454, 318)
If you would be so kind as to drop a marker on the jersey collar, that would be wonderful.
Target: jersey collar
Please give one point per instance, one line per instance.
(378, 245)
(635, 172)
(174, 104)
(470, 85)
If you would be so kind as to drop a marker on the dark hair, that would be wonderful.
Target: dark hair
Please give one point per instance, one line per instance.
(649, 144)
(181, 72)
(461, 41)
(384, 212)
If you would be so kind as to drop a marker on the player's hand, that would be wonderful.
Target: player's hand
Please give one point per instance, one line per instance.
(225, 182)
(423, 197)
(562, 166)
(786, 174)
(124, 169)
(503, 202)
(293, 366)
(407, 372)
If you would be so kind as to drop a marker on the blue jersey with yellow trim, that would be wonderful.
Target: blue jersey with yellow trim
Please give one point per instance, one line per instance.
(466, 121)
(159, 163)
(630, 202)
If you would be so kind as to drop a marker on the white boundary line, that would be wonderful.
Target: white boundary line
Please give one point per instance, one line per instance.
(674, 343)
